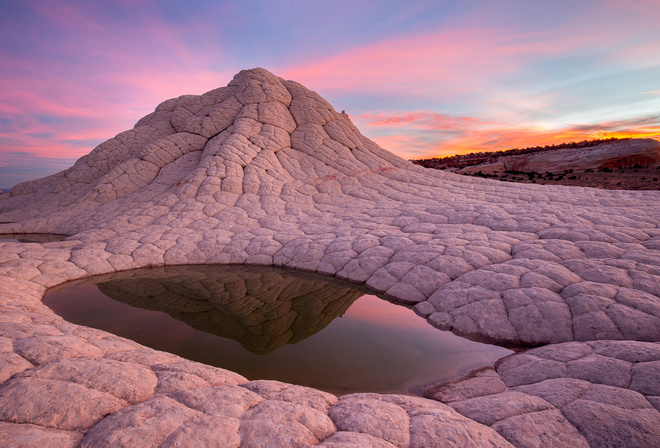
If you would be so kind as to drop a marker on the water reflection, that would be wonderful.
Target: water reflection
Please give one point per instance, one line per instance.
(199, 312)
(31, 237)
(262, 310)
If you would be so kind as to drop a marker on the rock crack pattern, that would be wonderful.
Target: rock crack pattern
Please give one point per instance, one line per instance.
(265, 172)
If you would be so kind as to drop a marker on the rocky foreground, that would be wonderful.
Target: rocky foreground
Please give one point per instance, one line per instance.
(265, 172)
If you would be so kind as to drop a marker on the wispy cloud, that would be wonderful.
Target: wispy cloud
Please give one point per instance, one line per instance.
(501, 71)
(103, 75)
(17, 167)
(418, 120)
(430, 79)
(425, 134)
(445, 63)
(646, 124)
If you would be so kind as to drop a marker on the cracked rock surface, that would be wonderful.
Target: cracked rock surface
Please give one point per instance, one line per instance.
(264, 172)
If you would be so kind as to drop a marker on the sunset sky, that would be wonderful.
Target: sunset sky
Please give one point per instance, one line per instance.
(421, 78)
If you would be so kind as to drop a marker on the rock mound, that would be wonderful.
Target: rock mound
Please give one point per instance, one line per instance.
(260, 135)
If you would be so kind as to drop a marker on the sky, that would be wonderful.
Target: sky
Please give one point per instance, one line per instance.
(421, 78)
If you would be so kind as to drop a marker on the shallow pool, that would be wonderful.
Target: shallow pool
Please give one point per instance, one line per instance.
(31, 237)
(273, 324)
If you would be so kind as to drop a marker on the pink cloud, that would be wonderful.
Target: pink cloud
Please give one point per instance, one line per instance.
(110, 79)
(94, 87)
(502, 73)
(426, 134)
(48, 119)
(412, 63)
(418, 120)
(443, 64)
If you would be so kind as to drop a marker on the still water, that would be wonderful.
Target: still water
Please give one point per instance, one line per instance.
(31, 237)
(272, 324)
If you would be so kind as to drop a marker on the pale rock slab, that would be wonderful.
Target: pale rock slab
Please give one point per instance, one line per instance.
(376, 418)
(493, 408)
(153, 420)
(427, 426)
(474, 384)
(54, 404)
(540, 429)
(129, 382)
(624, 427)
(27, 436)
(284, 424)
(42, 350)
(11, 364)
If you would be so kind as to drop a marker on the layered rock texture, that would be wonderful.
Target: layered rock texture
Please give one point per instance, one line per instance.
(642, 152)
(265, 172)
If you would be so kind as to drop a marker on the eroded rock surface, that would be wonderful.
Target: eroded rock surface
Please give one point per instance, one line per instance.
(617, 154)
(553, 395)
(265, 172)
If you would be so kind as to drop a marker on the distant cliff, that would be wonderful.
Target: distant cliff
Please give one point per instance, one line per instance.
(594, 155)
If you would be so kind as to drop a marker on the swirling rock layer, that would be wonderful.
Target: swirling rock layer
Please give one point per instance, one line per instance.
(265, 172)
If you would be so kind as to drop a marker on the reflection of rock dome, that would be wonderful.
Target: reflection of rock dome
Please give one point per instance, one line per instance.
(263, 309)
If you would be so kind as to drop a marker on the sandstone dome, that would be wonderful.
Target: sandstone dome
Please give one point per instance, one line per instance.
(260, 136)
(266, 172)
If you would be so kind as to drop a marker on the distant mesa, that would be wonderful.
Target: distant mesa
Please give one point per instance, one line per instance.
(625, 153)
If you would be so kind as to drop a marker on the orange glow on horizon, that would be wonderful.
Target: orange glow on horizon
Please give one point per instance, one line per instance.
(526, 140)
(420, 135)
